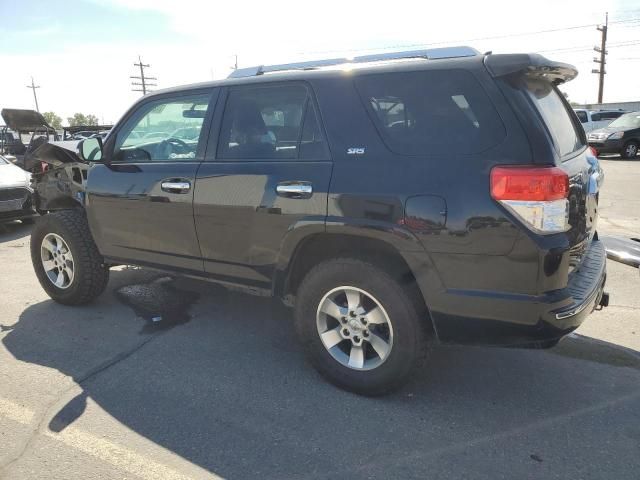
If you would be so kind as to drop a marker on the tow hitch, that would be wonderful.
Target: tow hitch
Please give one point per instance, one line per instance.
(604, 301)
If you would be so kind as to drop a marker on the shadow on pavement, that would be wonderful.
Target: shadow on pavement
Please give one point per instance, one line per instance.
(230, 391)
(14, 231)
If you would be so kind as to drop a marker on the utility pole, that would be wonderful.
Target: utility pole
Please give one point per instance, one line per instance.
(235, 64)
(144, 79)
(602, 50)
(33, 87)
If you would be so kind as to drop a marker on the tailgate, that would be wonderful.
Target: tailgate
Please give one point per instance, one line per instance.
(533, 83)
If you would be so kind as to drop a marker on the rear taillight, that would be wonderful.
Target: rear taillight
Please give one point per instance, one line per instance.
(536, 195)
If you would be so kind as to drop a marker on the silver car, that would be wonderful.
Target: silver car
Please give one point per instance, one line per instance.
(15, 193)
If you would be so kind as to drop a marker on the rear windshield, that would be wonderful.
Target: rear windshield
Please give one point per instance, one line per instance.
(426, 112)
(555, 114)
(630, 120)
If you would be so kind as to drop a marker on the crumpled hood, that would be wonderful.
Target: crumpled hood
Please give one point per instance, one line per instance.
(13, 176)
(56, 153)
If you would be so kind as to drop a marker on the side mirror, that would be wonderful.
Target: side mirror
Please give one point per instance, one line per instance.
(90, 149)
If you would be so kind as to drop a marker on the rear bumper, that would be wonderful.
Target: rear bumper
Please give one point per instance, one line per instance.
(508, 319)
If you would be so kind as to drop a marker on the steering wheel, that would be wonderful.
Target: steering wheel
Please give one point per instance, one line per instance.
(168, 143)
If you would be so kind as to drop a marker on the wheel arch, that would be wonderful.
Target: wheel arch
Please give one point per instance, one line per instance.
(317, 247)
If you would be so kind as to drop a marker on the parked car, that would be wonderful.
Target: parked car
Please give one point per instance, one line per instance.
(411, 197)
(594, 119)
(31, 129)
(621, 136)
(15, 193)
(10, 143)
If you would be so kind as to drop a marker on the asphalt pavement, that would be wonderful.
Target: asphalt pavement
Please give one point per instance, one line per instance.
(218, 387)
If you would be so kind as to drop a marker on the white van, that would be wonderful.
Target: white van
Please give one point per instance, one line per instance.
(594, 119)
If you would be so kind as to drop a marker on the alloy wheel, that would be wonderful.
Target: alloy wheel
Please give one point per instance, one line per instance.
(354, 328)
(57, 260)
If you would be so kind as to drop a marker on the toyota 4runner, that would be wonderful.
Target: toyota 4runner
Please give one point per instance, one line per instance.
(393, 200)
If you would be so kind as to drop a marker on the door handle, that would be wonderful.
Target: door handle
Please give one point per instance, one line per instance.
(294, 189)
(176, 186)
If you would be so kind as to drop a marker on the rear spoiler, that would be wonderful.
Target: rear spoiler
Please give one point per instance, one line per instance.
(531, 64)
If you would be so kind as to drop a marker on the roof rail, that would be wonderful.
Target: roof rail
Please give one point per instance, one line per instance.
(430, 54)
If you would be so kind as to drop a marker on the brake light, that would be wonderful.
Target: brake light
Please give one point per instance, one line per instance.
(536, 195)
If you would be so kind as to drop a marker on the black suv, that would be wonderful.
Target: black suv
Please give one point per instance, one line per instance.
(620, 136)
(391, 199)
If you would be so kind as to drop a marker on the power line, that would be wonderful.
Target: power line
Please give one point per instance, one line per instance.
(143, 78)
(33, 87)
(493, 37)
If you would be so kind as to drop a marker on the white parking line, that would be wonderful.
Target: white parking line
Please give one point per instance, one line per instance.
(15, 412)
(113, 453)
(122, 457)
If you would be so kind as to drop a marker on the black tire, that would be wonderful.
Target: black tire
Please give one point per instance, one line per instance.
(630, 150)
(409, 341)
(90, 274)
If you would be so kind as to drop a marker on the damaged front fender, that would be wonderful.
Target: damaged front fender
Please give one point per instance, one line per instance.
(62, 184)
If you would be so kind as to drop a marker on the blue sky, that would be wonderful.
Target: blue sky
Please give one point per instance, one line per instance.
(81, 53)
(43, 26)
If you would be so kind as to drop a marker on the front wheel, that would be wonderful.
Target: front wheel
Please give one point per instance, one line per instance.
(629, 151)
(358, 326)
(66, 259)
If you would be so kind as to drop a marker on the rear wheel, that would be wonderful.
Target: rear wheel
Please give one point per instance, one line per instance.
(630, 150)
(66, 259)
(358, 326)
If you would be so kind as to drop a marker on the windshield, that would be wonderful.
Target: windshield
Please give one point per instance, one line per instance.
(629, 120)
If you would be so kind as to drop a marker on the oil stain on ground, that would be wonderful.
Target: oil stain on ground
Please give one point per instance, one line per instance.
(158, 302)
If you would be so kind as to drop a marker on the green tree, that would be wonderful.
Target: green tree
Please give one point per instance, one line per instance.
(52, 119)
(82, 119)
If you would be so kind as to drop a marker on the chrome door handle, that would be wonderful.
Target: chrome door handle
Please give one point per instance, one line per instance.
(295, 189)
(176, 186)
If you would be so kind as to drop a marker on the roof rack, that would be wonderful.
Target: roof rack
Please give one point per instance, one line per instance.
(429, 54)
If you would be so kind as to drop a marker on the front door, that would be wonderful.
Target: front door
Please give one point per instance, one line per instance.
(140, 201)
(268, 176)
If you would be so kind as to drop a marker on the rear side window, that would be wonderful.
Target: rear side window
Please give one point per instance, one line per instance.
(427, 112)
(274, 122)
(555, 115)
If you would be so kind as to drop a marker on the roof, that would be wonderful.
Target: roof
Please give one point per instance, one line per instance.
(327, 69)
(497, 64)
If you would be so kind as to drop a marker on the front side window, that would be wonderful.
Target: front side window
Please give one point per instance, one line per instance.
(164, 130)
(274, 122)
(429, 112)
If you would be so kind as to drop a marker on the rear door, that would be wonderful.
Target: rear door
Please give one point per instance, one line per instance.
(266, 175)
(140, 202)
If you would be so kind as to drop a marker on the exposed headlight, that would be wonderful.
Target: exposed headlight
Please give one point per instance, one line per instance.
(616, 136)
